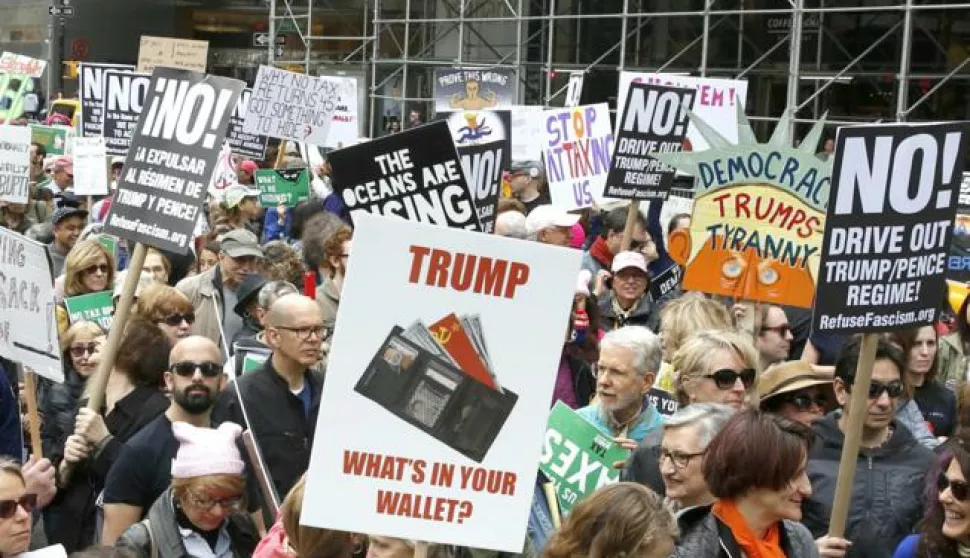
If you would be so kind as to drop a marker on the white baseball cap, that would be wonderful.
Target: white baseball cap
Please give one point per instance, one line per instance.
(625, 260)
(548, 216)
(236, 193)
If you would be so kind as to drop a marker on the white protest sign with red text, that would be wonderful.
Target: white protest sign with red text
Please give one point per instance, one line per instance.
(438, 385)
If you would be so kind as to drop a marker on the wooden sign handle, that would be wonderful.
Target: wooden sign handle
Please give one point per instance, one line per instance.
(631, 221)
(33, 418)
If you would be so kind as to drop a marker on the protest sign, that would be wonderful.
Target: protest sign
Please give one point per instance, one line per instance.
(124, 96)
(14, 163)
(18, 64)
(714, 102)
(183, 54)
(887, 233)
(90, 166)
(292, 106)
(577, 146)
(110, 244)
(224, 174)
(54, 139)
(415, 174)
(28, 330)
(345, 126)
(95, 307)
(577, 457)
(574, 90)
(473, 89)
(173, 154)
(654, 120)
(442, 457)
(287, 186)
(240, 141)
(527, 132)
(483, 142)
(958, 264)
(91, 94)
(759, 213)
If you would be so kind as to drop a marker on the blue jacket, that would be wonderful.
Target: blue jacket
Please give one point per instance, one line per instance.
(907, 548)
(271, 225)
(11, 432)
(650, 421)
(656, 231)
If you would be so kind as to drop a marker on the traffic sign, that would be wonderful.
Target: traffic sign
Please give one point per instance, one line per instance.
(262, 39)
(63, 11)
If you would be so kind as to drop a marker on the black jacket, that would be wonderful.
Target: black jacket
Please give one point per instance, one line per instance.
(887, 491)
(58, 404)
(645, 314)
(277, 421)
(584, 382)
(704, 536)
(643, 467)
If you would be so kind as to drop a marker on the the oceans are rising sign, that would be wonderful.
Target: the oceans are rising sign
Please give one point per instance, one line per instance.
(292, 106)
(415, 175)
(14, 163)
(654, 120)
(124, 97)
(577, 144)
(173, 153)
(887, 235)
(91, 94)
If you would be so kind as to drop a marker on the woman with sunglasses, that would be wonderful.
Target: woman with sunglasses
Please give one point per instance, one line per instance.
(944, 531)
(88, 268)
(793, 390)
(203, 512)
(936, 404)
(15, 508)
(167, 308)
(716, 366)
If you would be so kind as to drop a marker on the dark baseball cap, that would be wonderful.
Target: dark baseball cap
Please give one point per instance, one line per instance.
(64, 212)
(239, 243)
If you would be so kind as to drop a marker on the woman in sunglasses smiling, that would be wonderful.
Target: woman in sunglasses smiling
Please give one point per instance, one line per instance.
(167, 308)
(794, 391)
(716, 366)
(88, 268)
(945, 529)
(15, 508)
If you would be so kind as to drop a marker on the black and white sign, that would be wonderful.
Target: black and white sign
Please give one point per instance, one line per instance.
(14, 163)
(574, 91)
(124, 96)
(415, 175)
(887, 235)
(291, 106)
(241, 142)
(262, 39)
(654, 120)
(665, 282)
(62, 11)
(484, 143)
(91, 94)
(173, 154)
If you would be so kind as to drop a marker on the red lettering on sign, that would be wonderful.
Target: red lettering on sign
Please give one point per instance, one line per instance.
(464, 272)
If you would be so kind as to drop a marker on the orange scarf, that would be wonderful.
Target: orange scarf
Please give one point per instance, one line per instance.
(768, 547)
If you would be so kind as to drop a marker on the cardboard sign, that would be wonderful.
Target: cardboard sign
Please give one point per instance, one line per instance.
(292, 106)
(715, 102)
(577, 148)
(577, 457)
(28, 329)
(55, 139)
(654, 120)
(574, 90)
(759, 213)
(241, 142)
(415, 174)
(18, 64)
(483, 141)
(442, 456)
(183, 54)
(124, 96)
(958, 264)
(887, 235)
(90, 166)
(473, 89)
(94, 307)
(173, 154)
(14, 163)
(91, 94)
(345, 126)
(287, 186)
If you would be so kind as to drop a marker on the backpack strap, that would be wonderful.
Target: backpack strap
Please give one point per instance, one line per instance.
(151, 537)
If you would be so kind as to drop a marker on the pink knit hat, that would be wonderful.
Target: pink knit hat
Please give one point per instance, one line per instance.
(578, 239)
(206, 451)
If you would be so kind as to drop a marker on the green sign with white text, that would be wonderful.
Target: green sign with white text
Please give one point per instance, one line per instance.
(53, 138)
(288, 186)
(94, 307)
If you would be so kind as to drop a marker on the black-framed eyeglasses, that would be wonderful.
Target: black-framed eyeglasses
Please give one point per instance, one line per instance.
(680, 460)
(176, 320)
(78, 350)
(101, 268)
(894, 388)
(9, 507)
(306, 333)
(726, 378)
(186, 369)
(205, 503)
(804, 402)
(957, 488)
(781, 330)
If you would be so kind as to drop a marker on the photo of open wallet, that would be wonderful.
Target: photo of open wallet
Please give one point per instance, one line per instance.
(415, 377)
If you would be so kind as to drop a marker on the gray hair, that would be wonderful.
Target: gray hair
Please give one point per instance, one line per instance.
(644, 343)
(709, 418)
(274, 290)
(511, 224)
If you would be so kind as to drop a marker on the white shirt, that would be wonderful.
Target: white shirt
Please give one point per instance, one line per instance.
(197, 546)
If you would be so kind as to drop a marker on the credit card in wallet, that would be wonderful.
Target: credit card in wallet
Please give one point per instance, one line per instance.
(451, 335)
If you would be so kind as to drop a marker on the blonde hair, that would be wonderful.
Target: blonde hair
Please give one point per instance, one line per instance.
(693, 358)
(229, 483)
(11, 467)
(85, 254)
(158, 301)
(76, 330)
(310, 542)
(684, 315)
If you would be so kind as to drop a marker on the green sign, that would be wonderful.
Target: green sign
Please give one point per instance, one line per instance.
(53, 138)
(13, 87)
(110, 244)
(253, 361)
(289, 186)
(577, 457)
(94, 307)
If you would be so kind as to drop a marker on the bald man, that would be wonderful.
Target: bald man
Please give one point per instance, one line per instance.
(144, 467)
(282, 397)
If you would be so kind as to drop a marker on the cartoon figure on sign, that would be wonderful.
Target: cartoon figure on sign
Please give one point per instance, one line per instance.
(475, 128)
(471, 100)
(759, 216)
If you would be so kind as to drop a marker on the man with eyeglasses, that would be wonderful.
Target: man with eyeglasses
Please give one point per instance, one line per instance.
(627, 301)
(774, 338)
(280, 400)
(599, 257)
(888, 484)
(143, 469)
(67, 223)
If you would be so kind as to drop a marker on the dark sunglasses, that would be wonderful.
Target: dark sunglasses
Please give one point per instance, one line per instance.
(9, 507)
(186, 369)
(781, 330)
(176, 320)
(103, 268)
(894, 389)
(957, 488)
(78, 351)
(803, 402)
(725, 378)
